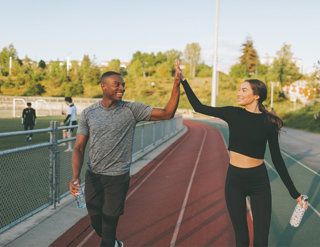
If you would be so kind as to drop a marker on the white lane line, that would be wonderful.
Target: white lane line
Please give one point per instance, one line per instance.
(157, 166)
(85, 239)
(176, 230)
(315, 210)
(92, 232)
(300, 163)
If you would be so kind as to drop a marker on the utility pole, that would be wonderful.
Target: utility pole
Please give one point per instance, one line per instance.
(10, 65)
(215, 59)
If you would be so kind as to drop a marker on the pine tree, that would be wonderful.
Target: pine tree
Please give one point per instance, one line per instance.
(249, 57)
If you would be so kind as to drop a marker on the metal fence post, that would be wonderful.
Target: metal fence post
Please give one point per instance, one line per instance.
(53, 158)
(142, 136)
(154, 133)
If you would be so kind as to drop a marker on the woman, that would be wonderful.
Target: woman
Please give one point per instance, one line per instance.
(250, 128)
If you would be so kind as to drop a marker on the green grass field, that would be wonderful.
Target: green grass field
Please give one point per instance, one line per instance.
(14, 124)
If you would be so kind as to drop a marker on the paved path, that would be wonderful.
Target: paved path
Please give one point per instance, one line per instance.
(303, 145)
(176, 200)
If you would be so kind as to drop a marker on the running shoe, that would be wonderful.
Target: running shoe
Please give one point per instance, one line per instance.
(118, 244)
(68, 150)
(62, 144)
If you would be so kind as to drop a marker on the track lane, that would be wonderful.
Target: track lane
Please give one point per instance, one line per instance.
(152, 211)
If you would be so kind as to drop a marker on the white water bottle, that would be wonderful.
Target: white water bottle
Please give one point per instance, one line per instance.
(80, 200)
(298, 212)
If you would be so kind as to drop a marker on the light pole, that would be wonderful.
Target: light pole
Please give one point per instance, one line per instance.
(68, 67)
(215, 58)
(10, 65)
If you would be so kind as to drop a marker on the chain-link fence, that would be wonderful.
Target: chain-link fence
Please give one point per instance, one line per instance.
(37, 176)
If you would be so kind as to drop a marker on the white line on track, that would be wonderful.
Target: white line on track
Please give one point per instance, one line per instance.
(92, 232)
(300, 163)
(315, 210)
(176, 230)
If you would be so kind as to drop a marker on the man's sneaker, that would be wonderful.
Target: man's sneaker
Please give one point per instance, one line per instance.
(68, 150)
(62, 144)
(30, 139)
(118, 244)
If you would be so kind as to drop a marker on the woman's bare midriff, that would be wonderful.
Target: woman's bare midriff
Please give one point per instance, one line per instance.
(242, 161)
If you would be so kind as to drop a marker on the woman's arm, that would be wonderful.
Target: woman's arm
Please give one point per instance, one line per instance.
(220, 112)
(278, 162)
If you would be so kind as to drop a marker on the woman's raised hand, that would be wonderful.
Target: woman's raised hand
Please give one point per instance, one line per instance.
(178, 70)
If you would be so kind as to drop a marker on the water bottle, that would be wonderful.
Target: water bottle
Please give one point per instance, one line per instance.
(80, 201)
(298, 212)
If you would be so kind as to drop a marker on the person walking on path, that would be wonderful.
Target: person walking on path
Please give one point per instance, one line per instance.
(109, 126)
(29, 120)
(71, 119)
(249, 130)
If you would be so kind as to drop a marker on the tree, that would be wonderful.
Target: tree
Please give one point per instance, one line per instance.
(136, 69)
(42, 64)
(5, 55)
(283, 69)
(236, 71)
(34, 88)
(114, 65)
(204, 70)
(192, 55)
(249, 57)
(171, 56)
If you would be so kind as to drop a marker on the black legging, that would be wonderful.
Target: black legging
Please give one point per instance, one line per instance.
(253, 182)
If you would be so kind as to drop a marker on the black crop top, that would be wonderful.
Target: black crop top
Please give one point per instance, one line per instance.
(248, 134)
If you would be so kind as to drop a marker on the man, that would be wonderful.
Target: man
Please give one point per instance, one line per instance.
(110, 124)
(71, 119)
(29, 120)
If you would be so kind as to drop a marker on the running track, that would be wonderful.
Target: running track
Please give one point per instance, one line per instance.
(176, 200)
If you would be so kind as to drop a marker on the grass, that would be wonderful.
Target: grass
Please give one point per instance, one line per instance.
(14, 124)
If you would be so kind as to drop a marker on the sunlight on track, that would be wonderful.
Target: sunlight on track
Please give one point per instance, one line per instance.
(176, 230)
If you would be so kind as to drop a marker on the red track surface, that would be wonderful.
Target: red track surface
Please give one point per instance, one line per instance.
(157, 194)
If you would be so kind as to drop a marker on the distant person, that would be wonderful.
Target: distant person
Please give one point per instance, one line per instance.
(29, 120)
(273, 111)
(71, 119)
(250, 128)
(109, 126)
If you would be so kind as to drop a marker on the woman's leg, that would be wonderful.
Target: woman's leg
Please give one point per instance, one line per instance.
(261, 210)
(235, 194)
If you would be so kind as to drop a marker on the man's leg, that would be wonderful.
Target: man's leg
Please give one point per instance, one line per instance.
(64, 137)
(69, 135)
(94, 200)
(31, 128)
(26, 128)
(109, 226)
(115, 192)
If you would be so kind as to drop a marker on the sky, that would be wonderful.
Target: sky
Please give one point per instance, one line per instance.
(110, 29)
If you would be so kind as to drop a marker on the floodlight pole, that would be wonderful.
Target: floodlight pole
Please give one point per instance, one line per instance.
(215, 59)
(10, 65)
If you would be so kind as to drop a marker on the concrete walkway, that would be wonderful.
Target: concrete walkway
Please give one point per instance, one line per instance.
(46, 226)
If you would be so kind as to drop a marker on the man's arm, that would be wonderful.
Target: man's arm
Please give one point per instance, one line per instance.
(171, 107)
(77, 161)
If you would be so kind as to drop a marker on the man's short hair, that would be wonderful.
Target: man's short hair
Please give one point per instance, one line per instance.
(28, 104)
(106, 74)
(69, 99)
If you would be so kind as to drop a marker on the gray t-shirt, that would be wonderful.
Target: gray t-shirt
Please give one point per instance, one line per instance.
(111, 132)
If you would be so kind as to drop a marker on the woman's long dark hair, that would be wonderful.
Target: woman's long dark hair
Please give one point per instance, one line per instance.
(259, 88)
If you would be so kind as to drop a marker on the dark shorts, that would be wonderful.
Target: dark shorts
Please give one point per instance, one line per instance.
(69, 124)
(106, 194)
